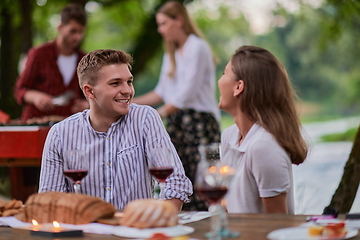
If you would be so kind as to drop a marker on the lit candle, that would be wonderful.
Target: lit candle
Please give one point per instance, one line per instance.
(56, 226)
(53, 230)
(35, 224)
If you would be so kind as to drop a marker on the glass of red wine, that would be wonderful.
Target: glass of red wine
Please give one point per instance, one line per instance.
(161, 165)
(75, 167)
(212, 181)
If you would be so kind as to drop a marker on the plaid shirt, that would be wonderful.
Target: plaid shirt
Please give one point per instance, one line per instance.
(42, 73)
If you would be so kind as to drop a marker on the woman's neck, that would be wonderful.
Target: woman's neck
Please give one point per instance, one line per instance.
(182, 38)
(244, 125)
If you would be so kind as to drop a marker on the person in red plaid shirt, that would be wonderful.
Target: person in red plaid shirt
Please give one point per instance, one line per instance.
(50, 71)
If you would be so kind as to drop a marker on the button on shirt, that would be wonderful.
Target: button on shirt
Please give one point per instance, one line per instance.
(263, 169)
(117, 160)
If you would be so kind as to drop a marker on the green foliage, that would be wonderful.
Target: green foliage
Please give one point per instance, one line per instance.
(321, 75)
(123, 20)
(348, 135)
(319, 47)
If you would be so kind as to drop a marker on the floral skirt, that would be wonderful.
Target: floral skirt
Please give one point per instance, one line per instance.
(188, 129)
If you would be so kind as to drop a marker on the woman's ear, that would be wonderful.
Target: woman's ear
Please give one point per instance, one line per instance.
(239, 88)
(179, 20)
(88, 91)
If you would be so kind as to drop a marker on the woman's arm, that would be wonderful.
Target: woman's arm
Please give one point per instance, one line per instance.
(167, 110)
(275, 204)
(150, 98)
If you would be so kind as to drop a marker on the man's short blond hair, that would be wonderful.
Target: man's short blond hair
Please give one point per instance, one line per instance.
(91, 63)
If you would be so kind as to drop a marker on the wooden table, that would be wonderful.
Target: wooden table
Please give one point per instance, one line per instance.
(21, 150)
(251, 226)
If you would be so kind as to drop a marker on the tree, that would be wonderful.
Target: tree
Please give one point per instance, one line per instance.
(23, 22)
(343, 15)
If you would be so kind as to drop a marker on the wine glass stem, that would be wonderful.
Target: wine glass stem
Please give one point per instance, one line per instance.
(77, 186)
(223, 228)
(223, 219)
(162, 188)
(215, 221)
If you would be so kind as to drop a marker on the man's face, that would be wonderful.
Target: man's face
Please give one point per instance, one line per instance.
(71, 34)
(113, 91)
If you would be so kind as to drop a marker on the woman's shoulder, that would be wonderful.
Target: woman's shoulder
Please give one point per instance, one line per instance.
(230, 133)
(230, 130)
(265, 142)
(197, 43)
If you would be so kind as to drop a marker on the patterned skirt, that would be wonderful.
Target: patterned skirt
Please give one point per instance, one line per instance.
(188, 129)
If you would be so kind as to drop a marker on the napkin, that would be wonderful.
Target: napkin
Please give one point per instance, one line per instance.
(188, 217)
(12, 222)
(97, 228)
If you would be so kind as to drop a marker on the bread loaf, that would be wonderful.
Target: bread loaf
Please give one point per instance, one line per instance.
(149, 213)
(65, 208)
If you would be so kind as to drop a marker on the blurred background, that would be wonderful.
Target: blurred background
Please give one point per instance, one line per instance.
(318, 41)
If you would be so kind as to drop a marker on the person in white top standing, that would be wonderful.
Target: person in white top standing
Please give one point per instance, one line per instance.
(186, 88)
(265, 140)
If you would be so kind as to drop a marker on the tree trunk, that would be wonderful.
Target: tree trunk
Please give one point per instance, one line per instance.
(9, 56)
(345, 194)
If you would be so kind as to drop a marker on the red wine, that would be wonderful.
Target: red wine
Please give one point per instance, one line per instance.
(76, 175)
(161, 173)
(213, 195)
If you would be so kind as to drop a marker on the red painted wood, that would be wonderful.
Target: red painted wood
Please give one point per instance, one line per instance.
(22, 144)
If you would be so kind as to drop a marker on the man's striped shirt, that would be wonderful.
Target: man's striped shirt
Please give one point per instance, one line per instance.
(117, 159)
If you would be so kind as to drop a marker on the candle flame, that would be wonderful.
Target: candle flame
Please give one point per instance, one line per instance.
(212, 169)
(56, 224)
(34, 222)
(225, 169)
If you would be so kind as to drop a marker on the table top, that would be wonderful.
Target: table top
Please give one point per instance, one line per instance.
(251, 226)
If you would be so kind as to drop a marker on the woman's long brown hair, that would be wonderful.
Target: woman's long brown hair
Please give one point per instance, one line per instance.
(269, 99)
(172, 9)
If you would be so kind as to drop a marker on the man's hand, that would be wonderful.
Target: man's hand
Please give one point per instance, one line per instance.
(40, 100)
(79, 105)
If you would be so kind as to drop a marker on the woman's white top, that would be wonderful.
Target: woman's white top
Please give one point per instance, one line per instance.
(263, 169)
(193, 86)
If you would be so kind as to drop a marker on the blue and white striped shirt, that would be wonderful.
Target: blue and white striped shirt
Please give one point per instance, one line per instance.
(117, 168)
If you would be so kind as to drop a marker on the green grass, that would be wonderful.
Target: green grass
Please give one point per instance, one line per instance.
(349, 135)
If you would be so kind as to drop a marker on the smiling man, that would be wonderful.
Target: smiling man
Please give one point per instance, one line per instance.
(116, 136)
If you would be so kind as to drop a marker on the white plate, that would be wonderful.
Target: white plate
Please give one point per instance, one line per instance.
(301, 233)
(175, 231)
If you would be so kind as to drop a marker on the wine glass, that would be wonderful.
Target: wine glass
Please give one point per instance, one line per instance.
(161, 165)
(75, 167)
(210, 164)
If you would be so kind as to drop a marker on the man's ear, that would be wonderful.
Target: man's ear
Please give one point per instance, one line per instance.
(88, 91)
(59, 27)
(239, 88)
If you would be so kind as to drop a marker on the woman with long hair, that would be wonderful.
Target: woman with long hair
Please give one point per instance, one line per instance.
(266, 138)
(186, 89)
